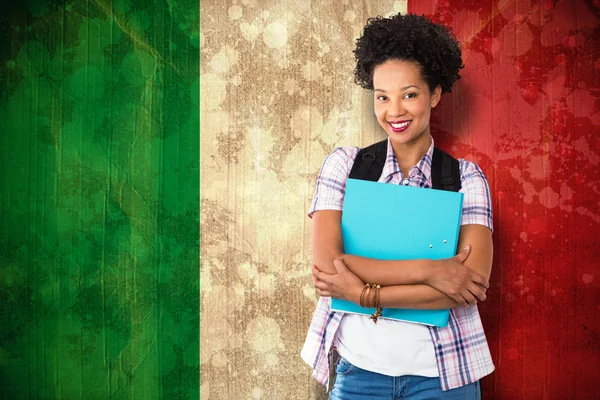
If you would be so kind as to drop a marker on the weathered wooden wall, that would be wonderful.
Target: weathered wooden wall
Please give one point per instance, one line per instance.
(276, 96)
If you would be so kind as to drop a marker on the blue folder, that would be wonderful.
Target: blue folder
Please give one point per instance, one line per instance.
(394, 222)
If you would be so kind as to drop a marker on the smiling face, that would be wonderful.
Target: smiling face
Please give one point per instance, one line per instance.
(403, 102)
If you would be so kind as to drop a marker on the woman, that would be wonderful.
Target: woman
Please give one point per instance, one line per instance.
(407, 62)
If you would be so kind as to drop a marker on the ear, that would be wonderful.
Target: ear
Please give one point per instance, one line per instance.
(436, 95)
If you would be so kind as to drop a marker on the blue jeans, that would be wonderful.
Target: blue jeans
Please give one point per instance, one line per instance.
(352, 383)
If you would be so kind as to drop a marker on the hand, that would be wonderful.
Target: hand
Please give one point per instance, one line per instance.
(343, 285)
(452, 278)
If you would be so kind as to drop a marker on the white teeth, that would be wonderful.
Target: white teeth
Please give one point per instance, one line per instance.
(400, 125)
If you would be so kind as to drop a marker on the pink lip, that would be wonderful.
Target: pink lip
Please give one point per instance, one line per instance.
(396, 130)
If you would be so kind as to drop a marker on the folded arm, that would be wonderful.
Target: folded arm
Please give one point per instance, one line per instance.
(479, 238)
(327, 245)
(424, 284)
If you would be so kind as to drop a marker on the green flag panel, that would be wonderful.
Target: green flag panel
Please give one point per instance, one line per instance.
(99, 200)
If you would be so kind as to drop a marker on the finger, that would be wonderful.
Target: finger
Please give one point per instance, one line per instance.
(316, 267)
(322, 285)
(480, 280)
(321, 276)
(460, 300)
(457, 298)
(315, 280)
(323, 293)
(478, 292)
(339, 265)
(471, 300)
(314, 270)
(464, 253)
(314, 274)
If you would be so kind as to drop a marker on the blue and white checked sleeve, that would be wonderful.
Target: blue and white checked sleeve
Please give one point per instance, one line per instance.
(477, 203)
(331, 183)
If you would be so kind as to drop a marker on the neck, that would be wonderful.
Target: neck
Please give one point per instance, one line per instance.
(409, 154)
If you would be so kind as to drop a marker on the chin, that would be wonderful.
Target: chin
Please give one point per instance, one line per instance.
(401, 137)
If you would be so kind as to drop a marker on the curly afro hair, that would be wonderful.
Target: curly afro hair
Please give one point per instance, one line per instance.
(409, 38)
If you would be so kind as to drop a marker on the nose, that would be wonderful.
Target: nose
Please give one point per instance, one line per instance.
(396, 109)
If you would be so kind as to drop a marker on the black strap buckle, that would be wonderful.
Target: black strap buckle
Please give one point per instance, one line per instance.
(447, 181)
(368, 155)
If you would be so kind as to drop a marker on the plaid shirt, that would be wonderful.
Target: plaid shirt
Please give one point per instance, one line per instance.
(461, 348)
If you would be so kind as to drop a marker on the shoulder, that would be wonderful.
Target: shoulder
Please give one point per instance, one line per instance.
(343, 154)
(477, 203)
(331, 182)
(339, 160)
(469, 170)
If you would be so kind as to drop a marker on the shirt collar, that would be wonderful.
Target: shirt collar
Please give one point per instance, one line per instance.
(392, 167)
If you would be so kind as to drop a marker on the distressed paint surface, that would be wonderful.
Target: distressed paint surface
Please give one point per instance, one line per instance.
(276, 96)
(528, 112)
(99, 200)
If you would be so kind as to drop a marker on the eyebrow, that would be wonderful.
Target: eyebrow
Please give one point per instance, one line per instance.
(402, 89)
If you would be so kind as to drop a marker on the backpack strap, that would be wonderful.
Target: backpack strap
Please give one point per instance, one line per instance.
(369, 162)
(445, 171)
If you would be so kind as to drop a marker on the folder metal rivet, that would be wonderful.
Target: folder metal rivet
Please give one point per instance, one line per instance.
(445, 241)
(430, 246)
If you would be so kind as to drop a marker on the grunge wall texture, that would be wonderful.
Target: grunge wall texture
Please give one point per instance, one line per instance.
(99, 196)
(99, 200)
(528, 112)
(277, 96)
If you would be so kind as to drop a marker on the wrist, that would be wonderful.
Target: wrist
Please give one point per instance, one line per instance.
(354, 294)
(427, 271)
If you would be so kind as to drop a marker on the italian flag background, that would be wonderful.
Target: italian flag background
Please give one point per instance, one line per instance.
(158, 158)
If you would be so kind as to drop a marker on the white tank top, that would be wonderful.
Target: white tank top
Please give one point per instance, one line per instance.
(390, 347)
